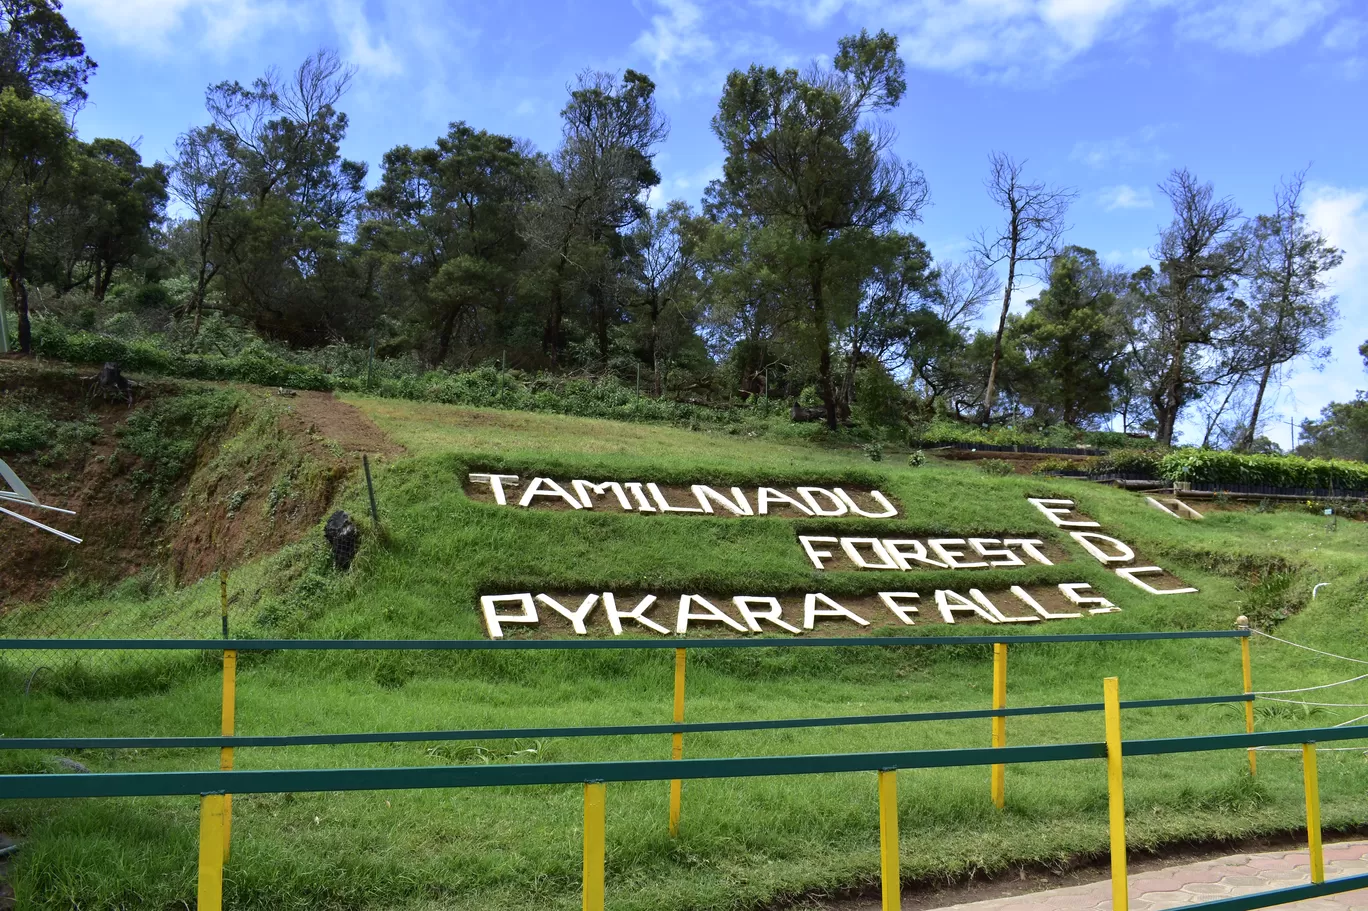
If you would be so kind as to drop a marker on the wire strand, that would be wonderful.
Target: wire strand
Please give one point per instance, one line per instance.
(1308, 689)
(1307, 647)
(1326, 705)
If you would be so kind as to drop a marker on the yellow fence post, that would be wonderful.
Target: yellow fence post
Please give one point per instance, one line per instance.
(229, 711)
(1313, 816)
(226, 753)
(210, 890)
(1242, 622)
(999, 785)
(677, 743)
(1116, 800)
(888, 840)
(594, 826)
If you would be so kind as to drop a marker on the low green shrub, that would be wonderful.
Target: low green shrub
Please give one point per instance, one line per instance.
(23, 429)
(916, 459)
(873, 451)
(1209, 466)
(995, 467)
(1052, 466)
(944, 431)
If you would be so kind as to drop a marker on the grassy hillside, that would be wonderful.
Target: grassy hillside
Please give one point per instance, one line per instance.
(745, 844)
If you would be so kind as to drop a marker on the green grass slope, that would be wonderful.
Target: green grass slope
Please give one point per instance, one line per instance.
(744, 844)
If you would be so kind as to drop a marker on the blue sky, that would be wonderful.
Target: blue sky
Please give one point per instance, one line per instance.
(1102, 95)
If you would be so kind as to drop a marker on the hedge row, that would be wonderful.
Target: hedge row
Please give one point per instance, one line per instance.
(1210, 466)
(945, 432)
(481, 387)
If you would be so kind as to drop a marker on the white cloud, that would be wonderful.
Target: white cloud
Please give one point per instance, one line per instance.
(1138, 148)
(1341, 214)
(1124, 196)
(1251, 27)
(363, 43)
(1025, 38)
(1345, 35)
(676, 33)
(1133, 258)
(152, 24)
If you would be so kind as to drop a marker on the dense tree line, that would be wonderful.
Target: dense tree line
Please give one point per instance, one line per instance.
(798, 276)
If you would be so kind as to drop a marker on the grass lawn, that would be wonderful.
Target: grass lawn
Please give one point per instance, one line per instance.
(744, 843)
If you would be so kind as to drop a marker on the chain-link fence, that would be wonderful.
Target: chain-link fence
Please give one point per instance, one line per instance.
(128, 611)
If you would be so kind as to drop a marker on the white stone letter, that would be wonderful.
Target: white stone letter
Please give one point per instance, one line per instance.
(1029, 546)
(773, 612)
(665, 506)
(710, 612)
(586, 491)
(545, 487)
(835, 505)
(766, 495)
(737, 507)
(962, 604)
(495, 482)
(1071, 591)
(1123, 553)
(851, 547)
(576, 617)
(992, 608)
(1025, 597)
(1007, 557)
(951, 557)
(898, 549)
(811, 611)
(889, 509)
(493, 619)
(813, 553)
(903, 611)
(638, 613)
(643, 504)
(1130, 573)
(1054, 510)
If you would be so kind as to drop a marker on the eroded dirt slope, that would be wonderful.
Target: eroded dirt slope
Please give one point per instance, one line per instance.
(192, 477)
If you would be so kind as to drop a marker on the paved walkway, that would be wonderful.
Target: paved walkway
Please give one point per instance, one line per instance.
(1242, 874)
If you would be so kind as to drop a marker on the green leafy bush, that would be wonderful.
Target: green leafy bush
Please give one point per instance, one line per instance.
(1209, 466)
(873, 451)
(1051, 466)
(916, 459)
(995, 467)
(24, 429)
(1140, 462)
(944, 431)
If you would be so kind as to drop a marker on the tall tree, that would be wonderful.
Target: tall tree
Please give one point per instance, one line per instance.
(296, 193)
(594, 191)
(41, 54)
(109, 212)
(205, 179)
(35, 155)
(667, 282)
(449, 216)
(1072, 340)
(1030, 231)
(898, 290)
(806, 157)
(1291, 313)
(1192, 310)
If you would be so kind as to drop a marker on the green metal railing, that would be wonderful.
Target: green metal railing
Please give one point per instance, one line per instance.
(216, 788)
